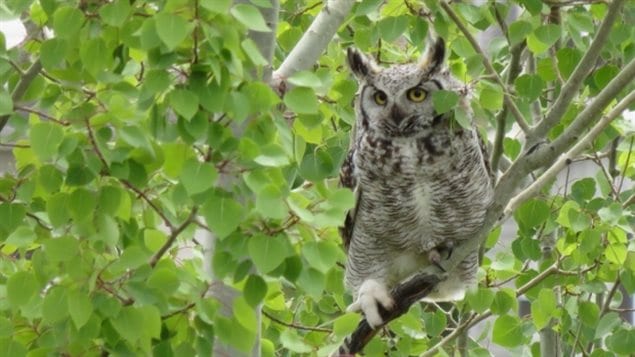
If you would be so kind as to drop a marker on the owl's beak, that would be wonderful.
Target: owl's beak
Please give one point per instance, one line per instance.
(396, 114)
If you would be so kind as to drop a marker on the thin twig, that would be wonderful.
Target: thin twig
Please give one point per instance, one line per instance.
(520, 120)
(294, 325)
(91, 139)
(145, 197)
(626, 164)
(174, 233)
(42, 114)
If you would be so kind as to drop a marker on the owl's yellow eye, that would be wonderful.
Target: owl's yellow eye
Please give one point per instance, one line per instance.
(380, 97)
(416, 94)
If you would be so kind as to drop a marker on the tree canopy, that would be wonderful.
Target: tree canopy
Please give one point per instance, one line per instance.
(174, 188)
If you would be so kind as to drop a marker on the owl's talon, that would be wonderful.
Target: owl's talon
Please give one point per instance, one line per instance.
(372, 293)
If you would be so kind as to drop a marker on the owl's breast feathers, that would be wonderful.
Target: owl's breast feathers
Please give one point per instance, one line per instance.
(429, 188)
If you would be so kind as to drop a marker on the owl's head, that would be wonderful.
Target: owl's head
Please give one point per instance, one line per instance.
(396, 101)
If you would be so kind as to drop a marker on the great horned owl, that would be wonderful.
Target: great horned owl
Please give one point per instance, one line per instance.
(422, 182)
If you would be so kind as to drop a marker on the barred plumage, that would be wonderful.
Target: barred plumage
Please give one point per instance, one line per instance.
(422, 182)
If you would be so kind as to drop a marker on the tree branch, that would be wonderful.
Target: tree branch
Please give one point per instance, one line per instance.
(512, 74)
(570, 88)
(21, 87)
(404, 295)
(565, 159)
(509, 102)
(307, 51)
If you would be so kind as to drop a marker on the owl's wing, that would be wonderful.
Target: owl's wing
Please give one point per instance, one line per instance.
(349, 180)
(486, 158)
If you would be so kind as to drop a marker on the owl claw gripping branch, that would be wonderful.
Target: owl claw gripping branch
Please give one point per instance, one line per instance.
(422, 183)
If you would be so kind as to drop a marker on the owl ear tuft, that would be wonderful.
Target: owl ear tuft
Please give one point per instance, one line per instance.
(434, 56)
(361, 65)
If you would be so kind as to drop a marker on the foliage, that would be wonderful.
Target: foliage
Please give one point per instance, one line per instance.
(136, 124)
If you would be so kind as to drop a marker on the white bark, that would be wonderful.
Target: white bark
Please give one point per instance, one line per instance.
(564, 160)
(307, 51)
(570, 88)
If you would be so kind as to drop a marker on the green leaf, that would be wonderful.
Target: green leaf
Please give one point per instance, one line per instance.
(184, 102)
(543, 308)
(45, 139)
(80, 307)
(568, 59)
(305, 79)
(301, 100)
(532, 213)
(507, 331)
(612, 213)
(57, 209)
(604, 75)
(504, 301)
(345, 324)
(622, 341)
(198, 176)
(6, 327)
(548, 34)
(53, 52)
(571, 217)
(267, 252)
(172, 29)
(255, 290)
(294, 343)
(94, 55)
(481, 299)
(67, 21)
(250, 17)
(491, 97)
(165, 280)
(616, 253)
(78, 175)
(82, 204)
(12, 216)
(589, 313)
(218, 6)
(444, 101)
(21, 287)
(55, 305)
(317, 165)
(50, 178)
(583, 189)
(61, 249)
(606, 324)
(245, 314)
(529, 86)
(312, 282)
(518, 31)
(130, 323)
(222, 214)
(151, 321)
(391, 27)
(252, 51)
(434, 322)
(511, 147)
(6, 103)
(115, 13)
(321, 255)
